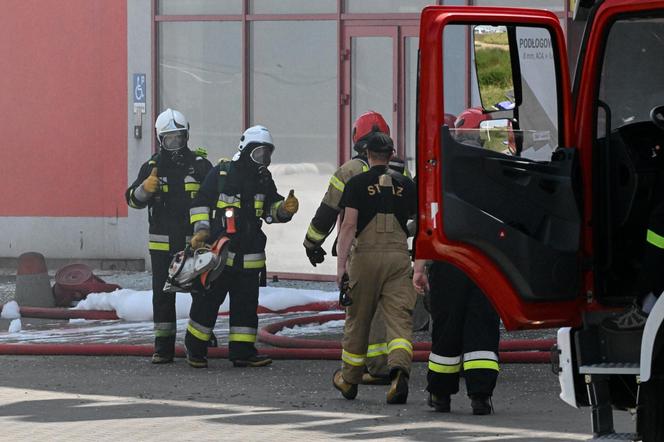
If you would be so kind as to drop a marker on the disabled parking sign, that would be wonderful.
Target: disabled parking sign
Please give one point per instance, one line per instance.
(140, 90)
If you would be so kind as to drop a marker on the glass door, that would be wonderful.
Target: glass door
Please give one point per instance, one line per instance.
(409, 39)
(370, 63)
(380, 74)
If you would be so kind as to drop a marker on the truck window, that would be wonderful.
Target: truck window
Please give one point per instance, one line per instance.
(632, 79)
(500, 82)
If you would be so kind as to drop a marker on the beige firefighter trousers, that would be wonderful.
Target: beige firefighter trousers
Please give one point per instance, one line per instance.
(376, 361)
(379, 284)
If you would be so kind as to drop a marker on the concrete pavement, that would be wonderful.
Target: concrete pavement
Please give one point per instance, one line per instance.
(127, 398)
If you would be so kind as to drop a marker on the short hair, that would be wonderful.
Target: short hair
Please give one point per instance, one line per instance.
(379, 156)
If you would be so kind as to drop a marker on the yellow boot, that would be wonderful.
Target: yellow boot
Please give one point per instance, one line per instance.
(349, 391)
(398, 392)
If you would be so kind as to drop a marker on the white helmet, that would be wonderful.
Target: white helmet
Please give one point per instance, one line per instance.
(171, 121)
(259, 137)
(255, 135)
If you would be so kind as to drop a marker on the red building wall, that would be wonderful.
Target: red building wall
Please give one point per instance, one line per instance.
(63, 108)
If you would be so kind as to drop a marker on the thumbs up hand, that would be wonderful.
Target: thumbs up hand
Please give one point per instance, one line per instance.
(151, 183)
(291, 204)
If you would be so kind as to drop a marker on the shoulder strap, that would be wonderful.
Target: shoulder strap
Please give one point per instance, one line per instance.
(154, 159)
(224, 166)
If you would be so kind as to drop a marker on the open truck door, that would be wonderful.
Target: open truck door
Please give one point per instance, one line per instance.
(546, 211)
(499, 198)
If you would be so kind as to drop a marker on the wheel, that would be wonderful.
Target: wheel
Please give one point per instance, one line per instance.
(657, 116)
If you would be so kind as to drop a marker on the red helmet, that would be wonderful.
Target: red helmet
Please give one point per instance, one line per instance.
(367, 124)
(471, 118)
(449, 119)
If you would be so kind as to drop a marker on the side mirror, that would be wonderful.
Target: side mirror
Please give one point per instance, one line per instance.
(494, 67)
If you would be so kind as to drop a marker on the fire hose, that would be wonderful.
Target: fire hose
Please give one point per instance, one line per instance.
(519, 350)
(512, 351)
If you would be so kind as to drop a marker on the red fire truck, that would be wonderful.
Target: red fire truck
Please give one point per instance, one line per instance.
(545, 205)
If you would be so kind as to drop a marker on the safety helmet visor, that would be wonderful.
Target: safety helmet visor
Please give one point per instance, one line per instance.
(173, 141)
(262, 154)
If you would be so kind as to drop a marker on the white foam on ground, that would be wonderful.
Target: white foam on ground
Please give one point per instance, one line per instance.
(14, 326)
(82, 331)
(10, 310)
(133, 305)
(311, 329)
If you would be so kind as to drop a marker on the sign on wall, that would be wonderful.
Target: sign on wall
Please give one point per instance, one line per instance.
(140, 91)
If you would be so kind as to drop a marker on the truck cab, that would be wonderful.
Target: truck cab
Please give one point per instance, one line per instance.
(544, 202)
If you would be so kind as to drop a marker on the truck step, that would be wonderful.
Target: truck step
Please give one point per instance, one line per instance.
(610, 368)
(627, 437)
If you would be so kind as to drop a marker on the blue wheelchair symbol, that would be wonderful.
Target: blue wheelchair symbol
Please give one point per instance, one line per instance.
(139, 88)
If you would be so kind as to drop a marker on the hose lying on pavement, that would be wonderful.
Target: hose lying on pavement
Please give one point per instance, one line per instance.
(531, 350)
(147, 350)
(65, 313)
(275, 353)
(513, 351)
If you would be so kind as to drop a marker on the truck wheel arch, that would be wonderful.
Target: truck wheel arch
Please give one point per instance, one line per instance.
(653, 330)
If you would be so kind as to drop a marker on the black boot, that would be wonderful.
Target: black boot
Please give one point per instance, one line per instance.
(441, 403)
(164, 350)
(252, 361)
(481, 404)
(195, 361)
(196, 351)
(161, 359)
(631, 319)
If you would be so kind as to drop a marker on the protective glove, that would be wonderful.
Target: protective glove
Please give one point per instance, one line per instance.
(291, 204)
(199, 238)
(151, 183)
(316, 255)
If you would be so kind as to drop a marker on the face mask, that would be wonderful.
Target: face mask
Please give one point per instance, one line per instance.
(262, 155)
(174, 141)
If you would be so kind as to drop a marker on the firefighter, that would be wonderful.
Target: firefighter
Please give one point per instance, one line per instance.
(377, 205)
(326, 218)
(466, 328)
(465, 336)
(235, 199)
(166, 185)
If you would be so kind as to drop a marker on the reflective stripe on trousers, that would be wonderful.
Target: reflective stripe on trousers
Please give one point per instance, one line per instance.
(250, 261)
(165, 329)
(199, 331)
(352, 358)
(159, 242)
(474, 360)
(242, 334)
(444, 364)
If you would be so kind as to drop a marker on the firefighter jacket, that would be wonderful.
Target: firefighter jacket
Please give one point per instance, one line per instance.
(326, 215)
(168, 208)
(233, 188)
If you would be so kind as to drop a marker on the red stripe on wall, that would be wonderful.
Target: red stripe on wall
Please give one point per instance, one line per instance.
(63, 108)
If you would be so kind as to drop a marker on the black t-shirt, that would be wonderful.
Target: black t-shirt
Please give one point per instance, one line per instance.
(363, 193)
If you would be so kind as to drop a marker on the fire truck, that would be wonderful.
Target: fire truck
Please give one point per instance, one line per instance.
(545, 205)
